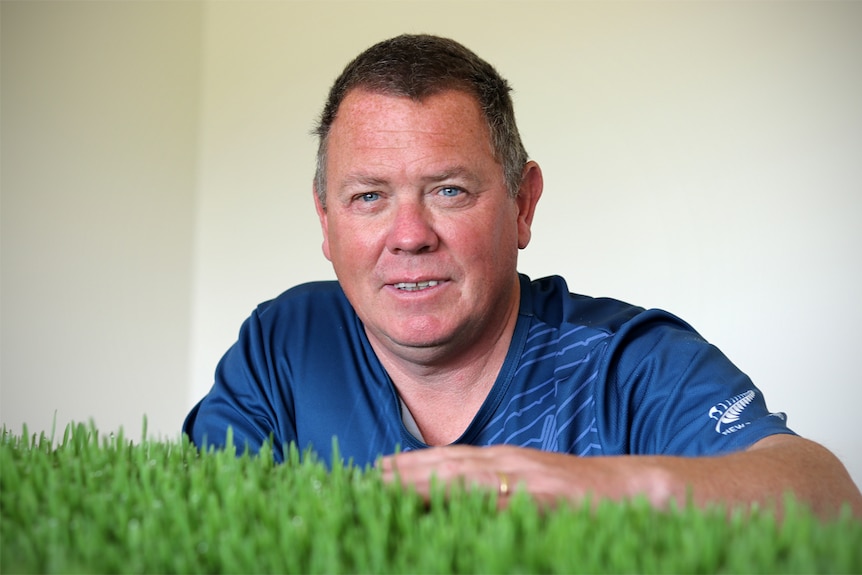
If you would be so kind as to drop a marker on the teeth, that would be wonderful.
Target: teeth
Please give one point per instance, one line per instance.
(416, 286)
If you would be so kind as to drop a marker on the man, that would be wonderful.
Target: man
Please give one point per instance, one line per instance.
(430, 337)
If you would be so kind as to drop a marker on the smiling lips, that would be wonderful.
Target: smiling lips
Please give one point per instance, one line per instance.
(416, 286)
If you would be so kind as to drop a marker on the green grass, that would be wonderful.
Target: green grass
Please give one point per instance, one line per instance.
(92, 503)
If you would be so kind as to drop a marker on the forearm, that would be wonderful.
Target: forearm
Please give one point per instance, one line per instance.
(770, 469)
(763, 474)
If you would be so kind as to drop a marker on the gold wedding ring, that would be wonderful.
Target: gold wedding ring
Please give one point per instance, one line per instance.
(504, 483)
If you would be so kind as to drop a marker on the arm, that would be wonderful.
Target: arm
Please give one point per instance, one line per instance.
(242, 397)
(763, 474)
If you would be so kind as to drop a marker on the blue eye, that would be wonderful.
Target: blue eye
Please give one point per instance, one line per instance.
(449, 192)
(369, 197)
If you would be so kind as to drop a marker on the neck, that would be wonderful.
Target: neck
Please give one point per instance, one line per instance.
(444, 391)
(444, 402)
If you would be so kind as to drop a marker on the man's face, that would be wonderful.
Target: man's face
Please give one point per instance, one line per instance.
(418, 224)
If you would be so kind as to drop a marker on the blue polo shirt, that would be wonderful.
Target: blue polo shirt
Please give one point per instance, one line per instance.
(584, 376)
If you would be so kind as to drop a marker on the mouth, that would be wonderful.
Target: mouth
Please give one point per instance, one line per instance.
(416, 286)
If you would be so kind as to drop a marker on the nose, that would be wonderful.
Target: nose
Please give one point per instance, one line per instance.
(412, 231)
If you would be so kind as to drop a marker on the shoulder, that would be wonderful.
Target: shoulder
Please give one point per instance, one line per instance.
(311, 309)
(319, 298)
(625, 334)
(551, 302)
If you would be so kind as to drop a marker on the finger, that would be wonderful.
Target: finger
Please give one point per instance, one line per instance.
(470, 466)
(444, 462)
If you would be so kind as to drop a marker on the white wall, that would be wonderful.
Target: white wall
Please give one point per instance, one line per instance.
(99, 143)
(704, 157)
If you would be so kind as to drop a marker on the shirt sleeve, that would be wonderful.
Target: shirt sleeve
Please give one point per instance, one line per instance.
(243, 398)
(670, 392)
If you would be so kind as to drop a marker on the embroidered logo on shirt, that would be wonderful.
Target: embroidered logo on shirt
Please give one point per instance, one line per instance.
(727, 413)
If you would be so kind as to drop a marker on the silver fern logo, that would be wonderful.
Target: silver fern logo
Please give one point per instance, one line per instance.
(727, 413)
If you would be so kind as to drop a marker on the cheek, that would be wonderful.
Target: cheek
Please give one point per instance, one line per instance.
(502, 237)
(351, 246)
(506, 245)
(492, 249)
(325, 246)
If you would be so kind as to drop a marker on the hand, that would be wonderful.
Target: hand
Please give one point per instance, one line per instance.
(485, 467)
(548, 477)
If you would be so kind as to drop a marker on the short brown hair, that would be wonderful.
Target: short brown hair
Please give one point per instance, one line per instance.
(418, 66)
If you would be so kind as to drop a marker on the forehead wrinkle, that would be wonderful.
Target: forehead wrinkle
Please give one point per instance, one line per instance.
(383, 143)
(376, 138)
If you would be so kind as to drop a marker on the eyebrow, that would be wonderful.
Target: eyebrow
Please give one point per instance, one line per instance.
(454, 172)
(362, 180)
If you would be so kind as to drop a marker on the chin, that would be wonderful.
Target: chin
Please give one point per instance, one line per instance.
(418, 338)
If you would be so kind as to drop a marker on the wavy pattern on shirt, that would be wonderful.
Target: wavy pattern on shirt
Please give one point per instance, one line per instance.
(556, 413)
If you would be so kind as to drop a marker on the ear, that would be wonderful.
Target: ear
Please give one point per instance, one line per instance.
(528, 196)
(324, 224)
